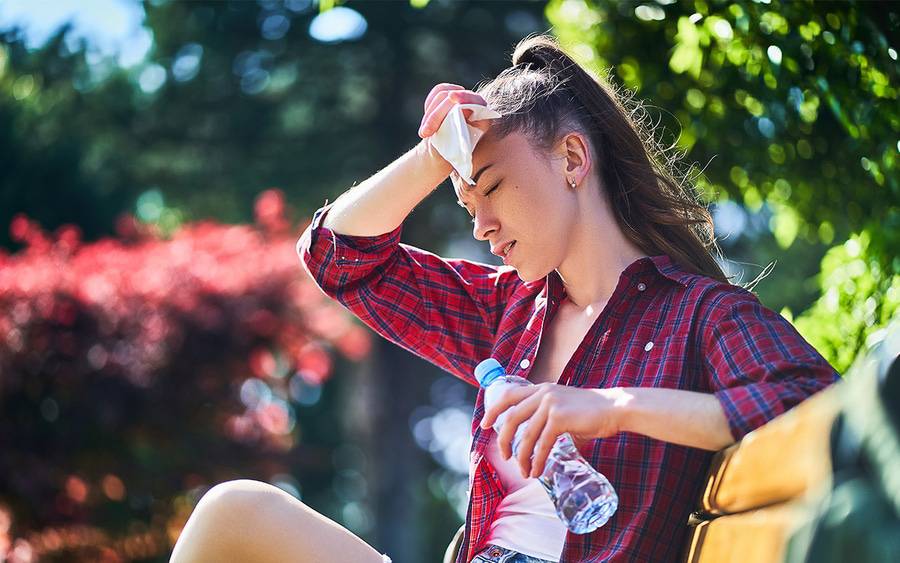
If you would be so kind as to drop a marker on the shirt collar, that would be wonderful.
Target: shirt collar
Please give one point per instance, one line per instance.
(661, 265)
(669, 269)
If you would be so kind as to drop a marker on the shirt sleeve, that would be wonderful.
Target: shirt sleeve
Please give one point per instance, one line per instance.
(756, 362)
(445, 311)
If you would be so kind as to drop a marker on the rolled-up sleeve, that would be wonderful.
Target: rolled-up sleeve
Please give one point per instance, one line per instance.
(444, 310)
(755, 361)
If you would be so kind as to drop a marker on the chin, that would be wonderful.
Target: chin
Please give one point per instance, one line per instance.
(529, 276)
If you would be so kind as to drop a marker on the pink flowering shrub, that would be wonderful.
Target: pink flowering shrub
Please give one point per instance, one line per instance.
(137, 371)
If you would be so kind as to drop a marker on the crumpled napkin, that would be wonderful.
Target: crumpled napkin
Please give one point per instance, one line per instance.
(455, 139)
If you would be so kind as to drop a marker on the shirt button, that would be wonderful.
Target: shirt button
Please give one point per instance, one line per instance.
(641, 286)
(648, 347)
(524, 363)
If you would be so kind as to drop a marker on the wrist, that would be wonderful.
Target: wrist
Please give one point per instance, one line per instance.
(432, 158)
(617, 410)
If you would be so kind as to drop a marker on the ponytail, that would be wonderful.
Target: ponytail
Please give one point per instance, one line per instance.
(545, 93)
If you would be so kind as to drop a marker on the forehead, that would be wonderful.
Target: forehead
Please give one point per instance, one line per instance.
(487, 155)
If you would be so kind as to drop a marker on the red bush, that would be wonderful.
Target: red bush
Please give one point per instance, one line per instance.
(136, 368)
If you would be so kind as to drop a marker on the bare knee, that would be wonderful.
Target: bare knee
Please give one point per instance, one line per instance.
(245, 520)
(221, 525)
(235, 505)
(239, 496)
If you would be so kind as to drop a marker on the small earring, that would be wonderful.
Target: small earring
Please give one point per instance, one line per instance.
(572, 183)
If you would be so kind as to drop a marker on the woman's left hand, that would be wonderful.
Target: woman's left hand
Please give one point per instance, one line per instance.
(550, 410)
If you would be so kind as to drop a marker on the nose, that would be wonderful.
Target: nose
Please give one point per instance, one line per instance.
(481, 228)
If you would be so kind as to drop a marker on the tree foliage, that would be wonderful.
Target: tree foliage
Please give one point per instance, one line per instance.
(791, 108)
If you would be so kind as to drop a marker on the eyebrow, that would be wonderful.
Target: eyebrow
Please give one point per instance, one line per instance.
(478, 174)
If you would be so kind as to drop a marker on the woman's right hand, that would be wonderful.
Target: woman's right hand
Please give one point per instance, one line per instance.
(441, 100)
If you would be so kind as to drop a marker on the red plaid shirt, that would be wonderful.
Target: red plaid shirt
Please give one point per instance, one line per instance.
(707, 336)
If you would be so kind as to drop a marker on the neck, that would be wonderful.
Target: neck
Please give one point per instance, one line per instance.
(598, 253)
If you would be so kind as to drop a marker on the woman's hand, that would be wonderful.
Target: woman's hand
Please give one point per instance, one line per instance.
(550, 410)
(441, 100)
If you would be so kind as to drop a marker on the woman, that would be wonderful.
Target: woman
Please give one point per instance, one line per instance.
(610, 299)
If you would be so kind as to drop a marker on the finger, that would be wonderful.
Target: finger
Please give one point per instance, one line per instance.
(436, 101)
(516, 415)
(507, 433)
(469, 97)
(429, 112)
(442, 87)
(545, 442)
(435, 117)
(509, 397)
(441, 104)
(535, 429)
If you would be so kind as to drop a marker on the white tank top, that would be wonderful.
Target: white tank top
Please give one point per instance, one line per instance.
(525, 520)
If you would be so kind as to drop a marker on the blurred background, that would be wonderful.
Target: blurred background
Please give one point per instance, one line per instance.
(159, 159)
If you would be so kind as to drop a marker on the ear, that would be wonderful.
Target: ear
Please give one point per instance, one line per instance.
(575, 154)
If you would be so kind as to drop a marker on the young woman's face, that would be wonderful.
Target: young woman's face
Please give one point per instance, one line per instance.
(523, 196)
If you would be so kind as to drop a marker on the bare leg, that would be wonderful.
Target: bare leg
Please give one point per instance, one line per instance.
(253, 522)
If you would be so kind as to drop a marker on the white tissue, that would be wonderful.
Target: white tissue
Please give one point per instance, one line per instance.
(455, 140)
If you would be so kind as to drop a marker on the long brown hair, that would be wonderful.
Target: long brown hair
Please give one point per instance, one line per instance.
(546, 93)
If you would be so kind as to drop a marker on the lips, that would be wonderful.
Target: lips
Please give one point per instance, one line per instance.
(500, 249)
(508, 254)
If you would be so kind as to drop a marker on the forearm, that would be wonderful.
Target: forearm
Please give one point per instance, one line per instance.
(382, 202)
(681, 417)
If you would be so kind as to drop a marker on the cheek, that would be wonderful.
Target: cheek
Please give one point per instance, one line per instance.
(545, 218)
(523, 206)
(535, 215)
(550, 235)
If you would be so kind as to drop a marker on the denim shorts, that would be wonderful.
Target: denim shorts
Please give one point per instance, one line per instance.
(496, 554)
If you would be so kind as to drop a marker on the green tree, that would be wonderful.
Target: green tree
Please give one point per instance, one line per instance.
(791, 108)
(58, 138)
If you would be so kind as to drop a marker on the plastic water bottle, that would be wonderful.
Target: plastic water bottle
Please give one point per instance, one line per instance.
(584, 497)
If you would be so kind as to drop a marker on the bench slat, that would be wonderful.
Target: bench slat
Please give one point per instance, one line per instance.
(757, 536)
(784, 459)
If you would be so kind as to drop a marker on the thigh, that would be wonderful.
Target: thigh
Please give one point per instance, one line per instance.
(252, 521)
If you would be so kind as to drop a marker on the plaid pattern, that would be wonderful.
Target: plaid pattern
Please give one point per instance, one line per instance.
(706, 336)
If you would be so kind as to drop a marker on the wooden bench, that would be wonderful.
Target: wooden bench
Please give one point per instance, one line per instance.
(759, 490)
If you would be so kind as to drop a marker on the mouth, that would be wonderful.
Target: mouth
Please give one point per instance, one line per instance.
(507, 251)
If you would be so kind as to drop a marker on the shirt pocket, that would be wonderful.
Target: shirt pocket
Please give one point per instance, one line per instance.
(662, 362)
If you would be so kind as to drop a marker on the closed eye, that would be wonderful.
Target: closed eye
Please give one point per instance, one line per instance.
(486, 194)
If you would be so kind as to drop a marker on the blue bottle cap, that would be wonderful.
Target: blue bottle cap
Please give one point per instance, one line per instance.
(487, 371)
